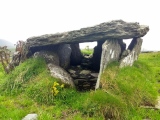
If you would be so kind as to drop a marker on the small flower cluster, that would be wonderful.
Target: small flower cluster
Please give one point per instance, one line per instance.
(56, 88)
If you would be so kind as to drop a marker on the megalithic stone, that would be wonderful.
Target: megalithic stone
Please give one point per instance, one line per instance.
(76, 55)
(116, 29)
(111, 50)
(135, 49)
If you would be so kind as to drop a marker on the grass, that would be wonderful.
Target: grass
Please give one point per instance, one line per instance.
(87, 51)
(28, 89)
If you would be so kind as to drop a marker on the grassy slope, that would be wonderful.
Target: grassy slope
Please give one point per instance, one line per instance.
(28, 89)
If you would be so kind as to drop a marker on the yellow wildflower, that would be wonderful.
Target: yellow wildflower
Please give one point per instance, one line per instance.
(62, 86)
(54, 88)
(55, 84)
(56, 92)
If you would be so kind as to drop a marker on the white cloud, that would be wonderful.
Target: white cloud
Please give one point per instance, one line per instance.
(20, 19)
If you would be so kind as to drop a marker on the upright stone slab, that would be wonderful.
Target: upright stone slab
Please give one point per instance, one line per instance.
(64, 53)
(97, 56)
(76, 55)
(135, 48)
(111, 51)
(49, 57)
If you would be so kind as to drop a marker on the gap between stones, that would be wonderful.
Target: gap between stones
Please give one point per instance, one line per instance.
(84, 75)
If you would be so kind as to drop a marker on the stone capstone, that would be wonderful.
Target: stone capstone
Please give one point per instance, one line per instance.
(116, 29)
(61, 74)
(133, 52)
(111, 51)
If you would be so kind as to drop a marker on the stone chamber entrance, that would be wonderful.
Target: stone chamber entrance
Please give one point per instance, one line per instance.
(84, 68)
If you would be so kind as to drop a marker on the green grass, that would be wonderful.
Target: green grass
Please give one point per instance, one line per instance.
(28, 89)
(87, 51)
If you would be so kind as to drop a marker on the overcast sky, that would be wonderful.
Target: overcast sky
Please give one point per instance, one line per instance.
(20, 19)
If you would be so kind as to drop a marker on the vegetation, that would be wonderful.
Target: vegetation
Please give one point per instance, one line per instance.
(87, 51)
(30, 89)
(4, 57)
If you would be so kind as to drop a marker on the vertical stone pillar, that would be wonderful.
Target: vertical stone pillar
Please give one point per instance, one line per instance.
(97, 56)
(64, 53)
(135, 49)
(76, 55)
(111, 50)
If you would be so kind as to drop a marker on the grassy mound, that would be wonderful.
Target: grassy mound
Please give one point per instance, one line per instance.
(31, 89)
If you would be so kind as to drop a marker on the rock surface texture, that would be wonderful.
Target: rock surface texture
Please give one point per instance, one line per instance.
(60, 73)
(64, 53)
(31, 117)
(135, 49)
(76, 55)
(60, 55)
(111, 52)
(158, 103)
(97, 56)
(109, 36)
(50, 57)
(117, 29)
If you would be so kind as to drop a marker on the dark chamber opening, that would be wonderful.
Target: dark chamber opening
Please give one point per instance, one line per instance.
(85, 65)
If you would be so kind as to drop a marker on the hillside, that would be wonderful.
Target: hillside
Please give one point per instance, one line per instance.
(6, 43)
(129, 93)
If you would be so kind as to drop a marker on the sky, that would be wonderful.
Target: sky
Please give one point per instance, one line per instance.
(21, 19)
